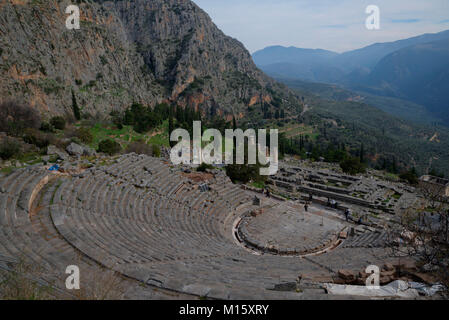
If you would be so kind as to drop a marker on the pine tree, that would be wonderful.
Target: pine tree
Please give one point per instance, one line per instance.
(171, 127)
(362, 154)
(76, 109)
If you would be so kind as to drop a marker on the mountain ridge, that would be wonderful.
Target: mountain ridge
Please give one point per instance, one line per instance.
(125, 52)
(375, 70)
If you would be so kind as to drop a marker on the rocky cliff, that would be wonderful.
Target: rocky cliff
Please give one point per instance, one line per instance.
(125, 51)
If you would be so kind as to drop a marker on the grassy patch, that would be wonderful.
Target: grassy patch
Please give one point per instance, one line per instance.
(6, 170)
(257, 184)
(123, 136)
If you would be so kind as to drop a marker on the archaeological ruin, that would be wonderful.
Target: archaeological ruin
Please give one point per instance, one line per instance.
(178, 232)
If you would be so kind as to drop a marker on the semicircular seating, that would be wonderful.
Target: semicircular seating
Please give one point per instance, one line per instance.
(143, 218)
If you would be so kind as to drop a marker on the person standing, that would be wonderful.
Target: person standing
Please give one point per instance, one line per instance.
(347, 212)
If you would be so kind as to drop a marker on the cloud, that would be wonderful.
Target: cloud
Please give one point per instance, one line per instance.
(405, 20)
(336, 26)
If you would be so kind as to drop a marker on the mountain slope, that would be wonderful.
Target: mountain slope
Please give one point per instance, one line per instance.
(279, 54)
(356, 61)
(306, 64)
(414, 70)
(366, 58)
(397, 107)
(351, 118)
(418, 73)
(143, 51)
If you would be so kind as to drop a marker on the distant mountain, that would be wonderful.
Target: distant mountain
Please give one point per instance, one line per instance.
(319, 72)
(279, 54)
(356, 61)
(414, 69)
(307, 64)
(367, 58)
(419, 73)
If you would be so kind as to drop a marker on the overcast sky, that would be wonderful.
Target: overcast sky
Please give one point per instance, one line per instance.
(337, 25)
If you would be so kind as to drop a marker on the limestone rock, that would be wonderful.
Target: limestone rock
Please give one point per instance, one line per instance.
(130, 51)
(62, 155)
(75, 149)
(347, 275)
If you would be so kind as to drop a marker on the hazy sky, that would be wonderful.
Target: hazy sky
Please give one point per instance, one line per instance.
(337, 25)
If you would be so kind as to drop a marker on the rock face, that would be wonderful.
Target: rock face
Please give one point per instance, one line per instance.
(52, 150)
(75, 150)
(125, 51)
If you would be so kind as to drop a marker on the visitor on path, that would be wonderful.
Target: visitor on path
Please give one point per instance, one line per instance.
(333, 203)
(328, 202)
(347, 213)
(306, 207)
(268, 193)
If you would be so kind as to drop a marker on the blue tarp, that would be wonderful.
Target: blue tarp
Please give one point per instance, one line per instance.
(54, 168)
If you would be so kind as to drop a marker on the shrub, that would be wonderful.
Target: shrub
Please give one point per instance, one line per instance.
(109, 146)
(156, 150)
(410, 177)
(37, 138)
(84, 135)
(76, 140)
(142, 118)
(58, 123)
(352, 166)
(15, 118)
(139, 147)
(244, 173)
(9, 148)
(47, 127)
(203, 167)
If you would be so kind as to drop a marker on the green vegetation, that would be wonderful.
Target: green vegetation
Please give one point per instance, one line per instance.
(16, 118)
(143, 119)
(36, 137)
(390, 143)
(47, 127)
(352, 166)
(58, 123)
(203, 167)
(410, 176)
(9, 148)
(156, 150)
(109, 146)
(258, 184)
(84, 135)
